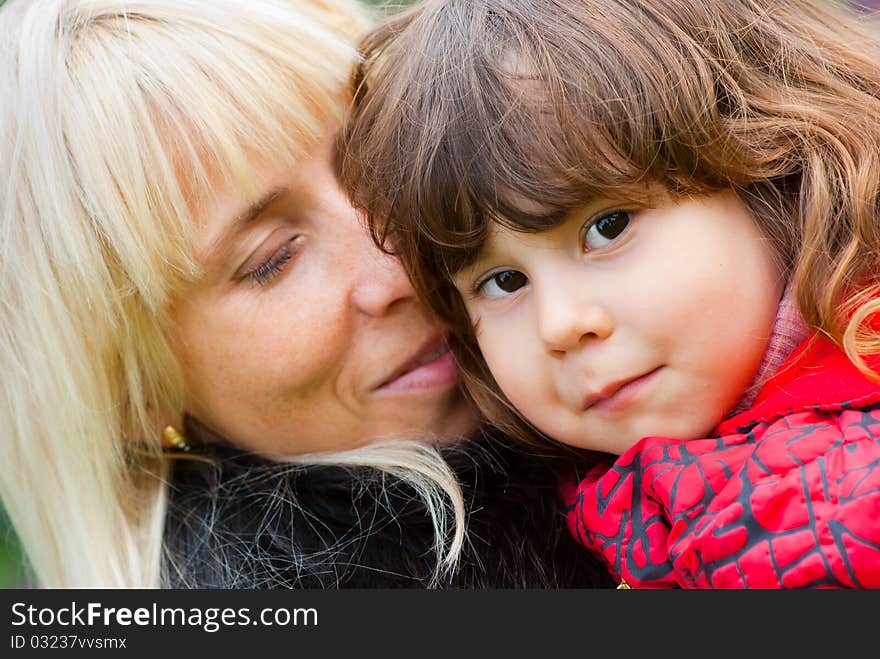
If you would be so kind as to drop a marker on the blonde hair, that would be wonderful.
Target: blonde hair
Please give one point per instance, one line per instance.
(526, 109)
(116, 115)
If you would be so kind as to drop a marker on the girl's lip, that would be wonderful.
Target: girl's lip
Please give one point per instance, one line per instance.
(620, 395)
(439, 373)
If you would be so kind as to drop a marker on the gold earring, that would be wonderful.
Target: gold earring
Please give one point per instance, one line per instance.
(174, 438)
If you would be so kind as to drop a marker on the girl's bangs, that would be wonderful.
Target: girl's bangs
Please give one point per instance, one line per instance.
(529, 151)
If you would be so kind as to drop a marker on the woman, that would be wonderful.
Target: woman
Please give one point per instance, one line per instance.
(174, 252)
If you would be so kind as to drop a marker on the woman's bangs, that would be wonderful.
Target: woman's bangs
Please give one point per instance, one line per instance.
(162, 140)
(241, 117)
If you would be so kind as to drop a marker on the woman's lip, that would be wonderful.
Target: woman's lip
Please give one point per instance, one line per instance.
(433, 345)
(622, 395)
(440, 372)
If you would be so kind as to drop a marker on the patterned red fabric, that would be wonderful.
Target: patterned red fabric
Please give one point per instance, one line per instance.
(786, 495)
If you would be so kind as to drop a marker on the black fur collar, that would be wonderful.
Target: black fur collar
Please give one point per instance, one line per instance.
(232, 523)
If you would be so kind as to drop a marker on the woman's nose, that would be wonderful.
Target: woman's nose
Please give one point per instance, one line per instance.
(380, 282)
(569, 315)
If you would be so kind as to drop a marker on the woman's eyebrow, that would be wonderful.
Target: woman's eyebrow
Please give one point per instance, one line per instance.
(220, 245)
(255, 209)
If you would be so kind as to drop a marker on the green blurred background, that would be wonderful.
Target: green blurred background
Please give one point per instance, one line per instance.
(11, 566)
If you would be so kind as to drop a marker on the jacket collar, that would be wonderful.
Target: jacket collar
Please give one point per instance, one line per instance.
(818, 374)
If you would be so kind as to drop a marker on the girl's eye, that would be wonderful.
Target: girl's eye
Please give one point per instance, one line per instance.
(606, 229)
(502, 284)
(266, 271)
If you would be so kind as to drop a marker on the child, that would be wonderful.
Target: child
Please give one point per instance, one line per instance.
(653, 227)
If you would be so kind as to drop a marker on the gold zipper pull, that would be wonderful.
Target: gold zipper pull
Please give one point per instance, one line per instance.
(623, 585)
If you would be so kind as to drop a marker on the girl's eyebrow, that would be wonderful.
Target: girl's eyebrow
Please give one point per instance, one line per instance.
(487, 253)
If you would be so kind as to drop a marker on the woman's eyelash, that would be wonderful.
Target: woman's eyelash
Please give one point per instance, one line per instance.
(267, 271)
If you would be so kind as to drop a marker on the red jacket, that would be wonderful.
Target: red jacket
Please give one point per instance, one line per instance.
(785, 495)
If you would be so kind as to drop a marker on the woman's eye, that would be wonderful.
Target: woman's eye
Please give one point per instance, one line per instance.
(502, 283)
(266, 271)
(606, 229)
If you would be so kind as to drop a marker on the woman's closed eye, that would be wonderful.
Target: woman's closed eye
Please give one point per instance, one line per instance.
(500, 284)
(271, 267)
(605, 228)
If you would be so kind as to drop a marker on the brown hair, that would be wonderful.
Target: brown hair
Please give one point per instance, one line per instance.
(471, 112)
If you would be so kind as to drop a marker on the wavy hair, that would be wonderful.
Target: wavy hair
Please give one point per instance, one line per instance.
(471, 112)
(116, 115)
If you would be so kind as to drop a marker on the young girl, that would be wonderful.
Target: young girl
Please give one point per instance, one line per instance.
(653, 227)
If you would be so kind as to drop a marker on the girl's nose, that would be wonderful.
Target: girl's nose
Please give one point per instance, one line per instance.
(567, 316)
